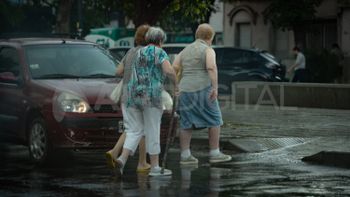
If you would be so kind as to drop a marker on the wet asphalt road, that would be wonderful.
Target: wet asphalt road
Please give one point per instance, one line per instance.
(84, 173)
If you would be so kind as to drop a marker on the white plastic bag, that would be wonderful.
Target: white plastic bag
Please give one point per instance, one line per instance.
(117, 92)
(167, 101)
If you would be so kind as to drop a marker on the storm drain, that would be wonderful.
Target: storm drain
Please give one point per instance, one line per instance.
(265, 144)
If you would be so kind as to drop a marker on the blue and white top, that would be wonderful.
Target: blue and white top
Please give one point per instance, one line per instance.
(147, 78)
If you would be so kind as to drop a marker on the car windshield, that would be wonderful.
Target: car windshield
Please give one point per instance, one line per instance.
(172, 52)
(269, 57)
(69, 61)
(118, 53)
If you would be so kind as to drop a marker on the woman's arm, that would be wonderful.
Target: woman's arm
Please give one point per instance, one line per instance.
(120, 70)
(213, 72)
(177, 63)
(169, 71)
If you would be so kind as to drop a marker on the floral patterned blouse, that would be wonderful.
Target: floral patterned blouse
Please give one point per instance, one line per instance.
(147, 78)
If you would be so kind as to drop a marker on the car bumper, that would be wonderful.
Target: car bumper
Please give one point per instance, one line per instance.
(95, 132)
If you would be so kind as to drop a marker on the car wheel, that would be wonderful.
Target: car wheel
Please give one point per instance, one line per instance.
(38, 141)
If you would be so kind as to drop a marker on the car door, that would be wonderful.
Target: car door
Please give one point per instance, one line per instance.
(240, 63)
(11, 109)
(230, 67)
(238, 60)
(255, 67)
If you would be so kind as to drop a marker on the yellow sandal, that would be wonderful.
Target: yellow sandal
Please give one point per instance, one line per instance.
(110, 160)
(143, 170)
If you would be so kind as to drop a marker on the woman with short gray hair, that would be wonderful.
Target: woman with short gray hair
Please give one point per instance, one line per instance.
(156, 36)
(143, 111)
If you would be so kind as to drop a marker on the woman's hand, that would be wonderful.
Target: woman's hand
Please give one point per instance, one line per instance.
(120, 70)
(213, 73)
(177, 91)
(213, 94)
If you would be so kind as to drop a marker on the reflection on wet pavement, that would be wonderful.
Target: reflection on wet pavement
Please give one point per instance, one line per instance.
(84, 173)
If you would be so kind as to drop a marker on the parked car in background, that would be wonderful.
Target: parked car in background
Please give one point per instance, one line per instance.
(119, 52)
(54, 93)
(236, 64)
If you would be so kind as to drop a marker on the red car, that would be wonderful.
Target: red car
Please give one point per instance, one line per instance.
(54, 93)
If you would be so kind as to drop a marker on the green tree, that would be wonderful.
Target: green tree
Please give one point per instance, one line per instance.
(96, 13)
(292, 15)
(63, 17)
(181, 14)
(158, 11)
(170, 14)
(10, 16)
(25, 16)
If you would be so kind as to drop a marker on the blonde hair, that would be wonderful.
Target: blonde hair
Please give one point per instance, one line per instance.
(205, 32)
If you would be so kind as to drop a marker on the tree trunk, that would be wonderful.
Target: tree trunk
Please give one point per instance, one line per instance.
(63, 17)
(149, 11)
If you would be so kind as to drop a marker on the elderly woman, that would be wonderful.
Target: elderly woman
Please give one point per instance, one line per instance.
(198, 104)
(143, 108)
(124, 69)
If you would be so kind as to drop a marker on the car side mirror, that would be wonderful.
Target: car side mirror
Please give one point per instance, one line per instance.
(9, 77)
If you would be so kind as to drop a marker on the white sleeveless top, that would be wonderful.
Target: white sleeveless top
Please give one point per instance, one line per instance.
(195, 75)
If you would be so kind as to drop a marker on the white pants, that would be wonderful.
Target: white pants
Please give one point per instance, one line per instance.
(140, 123)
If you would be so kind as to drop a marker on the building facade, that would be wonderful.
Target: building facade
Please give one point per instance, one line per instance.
(245, 26)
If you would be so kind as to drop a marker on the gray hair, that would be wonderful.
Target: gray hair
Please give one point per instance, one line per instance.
(155, 35)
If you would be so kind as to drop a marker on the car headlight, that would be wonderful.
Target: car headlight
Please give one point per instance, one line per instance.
(270, 65)
(72, 103)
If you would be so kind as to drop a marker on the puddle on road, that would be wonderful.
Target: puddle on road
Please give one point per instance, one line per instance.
(85, 174)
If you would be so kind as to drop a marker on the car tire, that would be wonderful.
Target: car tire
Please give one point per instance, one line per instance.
(38, 141)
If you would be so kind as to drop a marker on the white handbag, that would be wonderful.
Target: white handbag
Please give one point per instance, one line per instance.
(117, 92)
(167, 101)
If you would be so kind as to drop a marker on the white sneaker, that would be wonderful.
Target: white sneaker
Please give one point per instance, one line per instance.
(219, 158)
(158, 172)
(189, 161)
(119, 166)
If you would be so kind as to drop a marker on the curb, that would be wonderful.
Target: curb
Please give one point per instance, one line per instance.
(330, 158)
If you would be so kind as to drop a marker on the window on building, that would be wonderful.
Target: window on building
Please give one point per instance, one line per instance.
(322, 35)
(243, 37)
(282, 46)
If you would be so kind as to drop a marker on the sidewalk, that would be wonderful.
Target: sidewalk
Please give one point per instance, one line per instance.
(262, 128)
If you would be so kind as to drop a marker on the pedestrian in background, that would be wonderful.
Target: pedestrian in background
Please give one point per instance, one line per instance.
(300, 74)
(143, 103)
(124, 69)
(198, 104)
(338, 53)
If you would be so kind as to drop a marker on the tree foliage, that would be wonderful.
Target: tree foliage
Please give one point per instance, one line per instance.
(25, 17)
(172, 14)
(292, 15)
(10, 15)
(184, 13)
(289, 14)
(344, 2)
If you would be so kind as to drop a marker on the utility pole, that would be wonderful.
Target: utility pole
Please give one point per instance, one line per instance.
(79, 23)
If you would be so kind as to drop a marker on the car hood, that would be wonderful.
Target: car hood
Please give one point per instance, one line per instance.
(94, 91)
